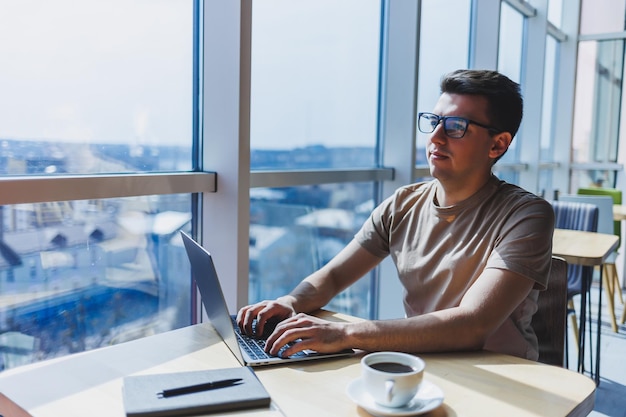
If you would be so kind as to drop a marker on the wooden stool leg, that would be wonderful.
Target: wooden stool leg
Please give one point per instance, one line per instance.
(607, 281)
(572, 317)
(617, 288)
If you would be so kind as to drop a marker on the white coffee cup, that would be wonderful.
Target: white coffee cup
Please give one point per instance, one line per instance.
(392, 378)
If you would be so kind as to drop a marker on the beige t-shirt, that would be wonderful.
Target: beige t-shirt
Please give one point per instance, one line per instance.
(440, 251)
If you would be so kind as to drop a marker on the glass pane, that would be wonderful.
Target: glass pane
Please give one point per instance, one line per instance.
(449, 52)
(547, 107)
(545, 184)
(80, 275)
(602, 16)
(96, 87)
(555, 12)
(548, 135)
(296, 230)
(314, 92)
(583, 106)
(510, 43)
(510, 48)
(599, 83)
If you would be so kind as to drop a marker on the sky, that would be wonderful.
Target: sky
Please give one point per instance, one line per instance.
(114, 71)
(119, 71)
(314, 72)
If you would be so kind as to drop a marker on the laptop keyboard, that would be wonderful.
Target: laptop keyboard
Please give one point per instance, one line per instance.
(256, 347)
(253, 347)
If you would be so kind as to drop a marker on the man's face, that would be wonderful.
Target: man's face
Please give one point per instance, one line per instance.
(472, 155)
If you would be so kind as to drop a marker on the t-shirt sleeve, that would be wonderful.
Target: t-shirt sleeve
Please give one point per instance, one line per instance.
(525, 242)
(374, 234)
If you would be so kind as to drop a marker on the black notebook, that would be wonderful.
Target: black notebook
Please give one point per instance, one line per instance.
(143, 397)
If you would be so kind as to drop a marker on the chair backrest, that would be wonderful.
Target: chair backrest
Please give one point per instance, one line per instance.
(605, 209)
(576, 216)
(549, 322)
(614, 193)
(605, 213)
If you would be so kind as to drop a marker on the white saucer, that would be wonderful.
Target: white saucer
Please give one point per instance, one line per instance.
(427, 398)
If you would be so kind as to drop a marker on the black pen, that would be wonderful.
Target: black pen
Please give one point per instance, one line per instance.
(171, 392)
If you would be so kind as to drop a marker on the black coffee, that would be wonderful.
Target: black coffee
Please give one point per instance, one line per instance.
(397, 368)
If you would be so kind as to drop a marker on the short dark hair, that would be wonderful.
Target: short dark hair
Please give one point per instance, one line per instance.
(505, 105)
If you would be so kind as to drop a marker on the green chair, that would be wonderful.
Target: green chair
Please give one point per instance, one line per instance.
(614, 193)
(611, 283)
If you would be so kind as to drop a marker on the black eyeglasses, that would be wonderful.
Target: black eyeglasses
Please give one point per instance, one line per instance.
(454, 127)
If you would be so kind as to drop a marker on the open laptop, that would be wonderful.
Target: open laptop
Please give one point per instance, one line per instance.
(248, 350)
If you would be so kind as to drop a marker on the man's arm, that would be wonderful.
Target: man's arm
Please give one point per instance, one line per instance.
(485, 306)
(343, 270)
(315, 291)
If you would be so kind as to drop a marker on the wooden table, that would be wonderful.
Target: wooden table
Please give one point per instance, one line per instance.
(587, 249)
(619, 212)
(473, 383)
(583, 248)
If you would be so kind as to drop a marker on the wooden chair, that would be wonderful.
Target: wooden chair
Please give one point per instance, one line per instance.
(549, 322)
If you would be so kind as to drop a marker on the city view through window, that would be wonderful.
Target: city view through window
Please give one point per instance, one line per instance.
(314, 105)
(95, 87)
(79, 97)
(78, 275)
(82, 274)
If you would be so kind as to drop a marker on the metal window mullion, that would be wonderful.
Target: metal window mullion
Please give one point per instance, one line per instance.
(40, 189)
(398, 113)
(311, 177)
(556, 33)
(602, 36)
(596, 166)
(523, 7)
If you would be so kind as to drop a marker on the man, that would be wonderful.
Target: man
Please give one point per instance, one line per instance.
(471, 251)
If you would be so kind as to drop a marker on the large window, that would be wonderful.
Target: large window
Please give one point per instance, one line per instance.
(314, 106)
(510, 48)
(305, 109)
(599, 87)
(78, 275)
(440, 52)
(549, 89)
(547, 140)
(93, 88)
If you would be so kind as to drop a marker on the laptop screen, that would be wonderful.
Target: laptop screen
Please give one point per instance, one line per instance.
(205, 275)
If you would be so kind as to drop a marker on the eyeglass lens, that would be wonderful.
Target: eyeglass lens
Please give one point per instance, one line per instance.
(454, 127)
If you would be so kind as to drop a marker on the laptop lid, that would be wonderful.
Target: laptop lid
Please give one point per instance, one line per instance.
(205, 275)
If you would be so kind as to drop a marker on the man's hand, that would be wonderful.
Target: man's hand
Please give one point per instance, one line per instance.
(264, 312)
(304, 332)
